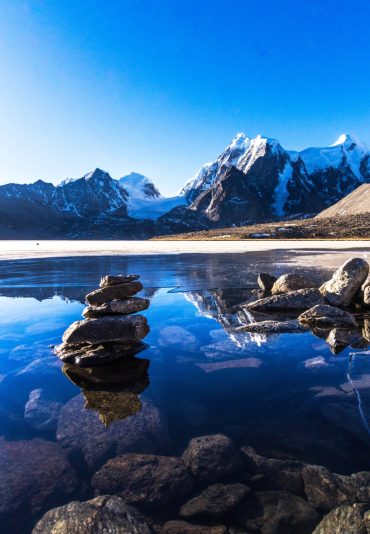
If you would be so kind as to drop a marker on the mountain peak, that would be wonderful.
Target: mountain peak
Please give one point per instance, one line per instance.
(96, 174)
(349, 141)
(139, 186)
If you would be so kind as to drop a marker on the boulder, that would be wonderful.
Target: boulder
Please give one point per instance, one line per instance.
(87, 355)
(40, 412)
(324, 316)
(265, 281)
(114, 307)
(115, 292)
(295, 300)
(81, 433)
(34, 475)
(182, 527)
(102, 514)
(291, 282)
(345, 282)
(275, 327)
(113, 280)
(144, 478)
(276, 512)
(215, 501)
(353, 519)
(326, 490)
(273, 474)
(107, 329)
(212, 458)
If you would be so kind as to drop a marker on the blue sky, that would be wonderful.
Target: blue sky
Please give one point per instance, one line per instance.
(161, 86)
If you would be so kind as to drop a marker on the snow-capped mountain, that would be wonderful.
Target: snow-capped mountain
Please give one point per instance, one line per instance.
(253, 180)
(144, 199)
(258, 180)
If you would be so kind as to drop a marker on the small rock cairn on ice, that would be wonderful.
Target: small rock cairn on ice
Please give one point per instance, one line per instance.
(109, 331)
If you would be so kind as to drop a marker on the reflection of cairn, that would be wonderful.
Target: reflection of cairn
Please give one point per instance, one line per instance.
(111, 390)
(109, 331)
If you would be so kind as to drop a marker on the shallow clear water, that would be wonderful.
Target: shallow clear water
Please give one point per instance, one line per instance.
(286, 395)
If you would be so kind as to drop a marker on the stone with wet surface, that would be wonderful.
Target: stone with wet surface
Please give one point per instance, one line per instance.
(345, 282)
(291, 282)
(107, 329)
(294, 300)
(113, 280)
(116, 307)
(327, 316)
(115, 292)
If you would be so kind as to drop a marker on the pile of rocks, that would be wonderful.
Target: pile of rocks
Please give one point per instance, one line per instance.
(109, 331)
(317, 308)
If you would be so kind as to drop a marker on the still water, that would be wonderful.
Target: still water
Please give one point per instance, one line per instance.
(286, 395)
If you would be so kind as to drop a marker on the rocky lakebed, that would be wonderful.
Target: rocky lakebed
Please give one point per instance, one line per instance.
(97, 438)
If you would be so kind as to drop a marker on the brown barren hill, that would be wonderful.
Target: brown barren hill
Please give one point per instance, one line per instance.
(356, 203)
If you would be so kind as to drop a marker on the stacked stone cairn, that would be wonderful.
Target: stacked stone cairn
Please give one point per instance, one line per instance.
(109, 331)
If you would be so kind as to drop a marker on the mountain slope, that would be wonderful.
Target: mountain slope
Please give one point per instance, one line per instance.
(356, 203)
(257, 179)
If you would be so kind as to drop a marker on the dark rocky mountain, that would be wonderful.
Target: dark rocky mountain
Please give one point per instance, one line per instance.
(256, 180)
(252, 181)
(94, 206)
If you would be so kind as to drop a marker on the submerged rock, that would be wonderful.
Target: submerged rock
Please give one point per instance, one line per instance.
(294, 300)
(273, 474)
(266, 281)
(326, 490)
(215, 501)
(327, 316)
(117, 307)
(353, 519)
(114, 292)
(345, 282)
(41, 413)
(276, 512)
(34, 475)
(182, 527)
(107, 329)
(272, 326)
(113, 280)
(82, 434)
(87, 355)
(107, 513)
(291, 282)
(145, 478)
(212, 458)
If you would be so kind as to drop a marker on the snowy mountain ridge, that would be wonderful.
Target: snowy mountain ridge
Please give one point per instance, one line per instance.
(286, 182)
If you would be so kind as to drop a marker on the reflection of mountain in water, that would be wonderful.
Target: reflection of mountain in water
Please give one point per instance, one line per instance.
(223, 305)
(67, 293)
(112, 390)
(226, 306)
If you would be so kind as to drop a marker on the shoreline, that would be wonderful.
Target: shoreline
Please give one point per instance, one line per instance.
(28, 249)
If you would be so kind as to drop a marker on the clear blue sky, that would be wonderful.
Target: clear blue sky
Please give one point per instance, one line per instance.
(161, 86)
